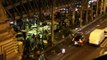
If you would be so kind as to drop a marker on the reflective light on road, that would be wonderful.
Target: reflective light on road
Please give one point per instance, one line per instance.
(105, 52)
(63, 50)
(88, 6)
(98, 25)
(76, 28)
(11, 22)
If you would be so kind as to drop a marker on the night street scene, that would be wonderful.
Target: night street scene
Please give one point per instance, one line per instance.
(53, 29)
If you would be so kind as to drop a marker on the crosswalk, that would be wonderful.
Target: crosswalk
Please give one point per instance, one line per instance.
(104, 46)
(104, 43)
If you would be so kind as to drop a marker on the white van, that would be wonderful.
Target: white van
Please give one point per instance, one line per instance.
(96, 36)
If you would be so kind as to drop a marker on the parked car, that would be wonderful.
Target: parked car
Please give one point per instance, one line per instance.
(78, 39)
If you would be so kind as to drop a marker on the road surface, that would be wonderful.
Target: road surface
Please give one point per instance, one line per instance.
(86, 52)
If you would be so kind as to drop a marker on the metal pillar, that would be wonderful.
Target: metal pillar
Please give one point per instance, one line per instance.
(101, 7)
(73, 18)
(81, 13)
(97, 8)
(87, 8)
(104, 2)
(52, 22)
(81, 17)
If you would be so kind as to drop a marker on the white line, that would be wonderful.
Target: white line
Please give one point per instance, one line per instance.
(59, 54)
(101, 52)
(104, 43)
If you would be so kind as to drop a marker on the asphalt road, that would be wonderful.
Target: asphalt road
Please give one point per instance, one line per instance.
(87, 51)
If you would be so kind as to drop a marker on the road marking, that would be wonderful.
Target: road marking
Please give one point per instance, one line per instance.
(104, 43)
(59, 54)
(105, 52)
(101, 52)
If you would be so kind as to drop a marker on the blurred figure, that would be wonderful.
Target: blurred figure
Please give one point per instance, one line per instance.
(63, 50)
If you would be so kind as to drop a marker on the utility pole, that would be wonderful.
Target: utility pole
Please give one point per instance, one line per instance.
(73, 17)
(80, 19)
(52, 22)
(87, 8)
(92, 11)
(97, 8)
(40, 10)
(104, 2)
(81, 13)
(101, 7)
